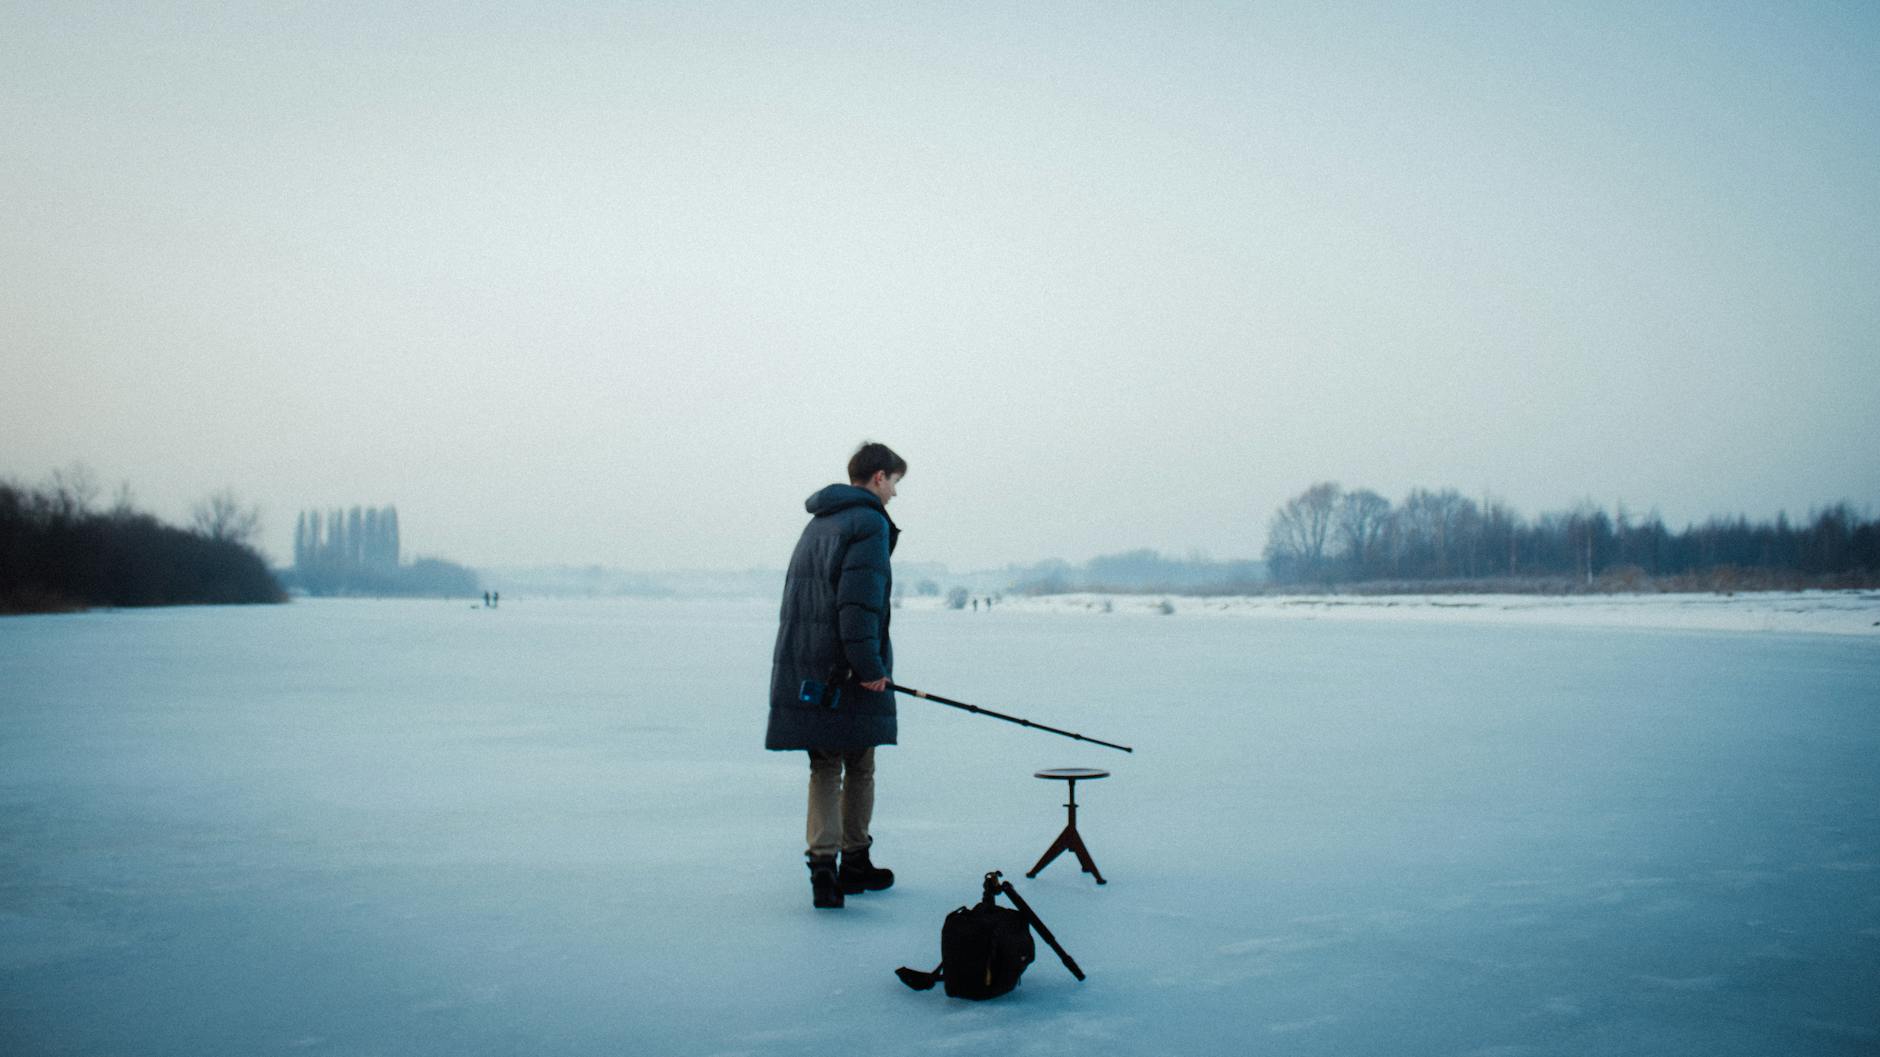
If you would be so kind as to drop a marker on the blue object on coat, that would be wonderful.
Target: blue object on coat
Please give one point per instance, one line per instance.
(833, 628)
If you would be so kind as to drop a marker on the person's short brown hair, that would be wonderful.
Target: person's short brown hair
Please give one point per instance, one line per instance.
(872, 458)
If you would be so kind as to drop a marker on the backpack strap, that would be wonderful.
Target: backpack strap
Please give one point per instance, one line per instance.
(920, 981)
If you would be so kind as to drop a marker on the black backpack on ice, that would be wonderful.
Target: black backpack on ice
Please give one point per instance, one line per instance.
(984, 949)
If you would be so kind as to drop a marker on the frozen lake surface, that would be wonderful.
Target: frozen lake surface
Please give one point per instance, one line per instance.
(417, 828)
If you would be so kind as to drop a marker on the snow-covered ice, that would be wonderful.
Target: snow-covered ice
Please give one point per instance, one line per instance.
(1818, 612)
(411, 828)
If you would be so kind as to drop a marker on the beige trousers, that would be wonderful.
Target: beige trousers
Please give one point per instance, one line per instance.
(841, 800)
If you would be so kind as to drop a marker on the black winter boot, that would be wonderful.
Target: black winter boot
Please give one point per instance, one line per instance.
(859, 875)
(825, 892)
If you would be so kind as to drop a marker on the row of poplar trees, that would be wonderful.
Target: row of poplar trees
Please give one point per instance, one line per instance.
(362, 538)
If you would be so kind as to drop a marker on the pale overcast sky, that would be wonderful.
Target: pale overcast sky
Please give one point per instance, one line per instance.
(600, 282)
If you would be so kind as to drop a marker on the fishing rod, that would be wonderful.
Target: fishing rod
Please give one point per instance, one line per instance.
(976, 710)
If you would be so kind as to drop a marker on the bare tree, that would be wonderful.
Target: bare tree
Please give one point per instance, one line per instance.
(1586, 525)
(73, 490)
(1436, 528)
(1501, 537)
(222, 516)
(123, 501)
(355, 538)
(390, 521)
(1297, 537)
(1361, 517)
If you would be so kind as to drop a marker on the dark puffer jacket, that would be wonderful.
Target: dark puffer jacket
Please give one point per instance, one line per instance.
(834, 626)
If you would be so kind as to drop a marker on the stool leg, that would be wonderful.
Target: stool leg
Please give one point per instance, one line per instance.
(1058, 847)
(1083, 856)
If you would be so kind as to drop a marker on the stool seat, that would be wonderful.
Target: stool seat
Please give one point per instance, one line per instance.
(1070, 840)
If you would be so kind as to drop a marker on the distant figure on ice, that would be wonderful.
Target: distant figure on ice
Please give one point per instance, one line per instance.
(496, 599)
(486, 600)
(975, 605)
(830, 671)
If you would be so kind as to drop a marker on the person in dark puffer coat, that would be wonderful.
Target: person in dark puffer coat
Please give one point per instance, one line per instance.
(830, 672)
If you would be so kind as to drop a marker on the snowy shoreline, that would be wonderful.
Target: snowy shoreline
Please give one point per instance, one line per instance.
(1852, 613)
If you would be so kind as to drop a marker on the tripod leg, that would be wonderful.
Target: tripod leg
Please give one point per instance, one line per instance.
(1058, 847)
(1044, 933)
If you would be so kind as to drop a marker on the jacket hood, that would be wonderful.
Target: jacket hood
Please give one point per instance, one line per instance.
(839, 497)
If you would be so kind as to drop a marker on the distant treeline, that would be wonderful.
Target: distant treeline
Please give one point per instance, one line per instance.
(1327, 535)
(1140, 571)
(58, 554)
(356, 552)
